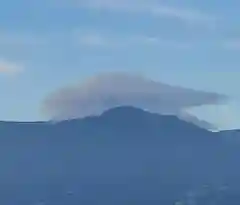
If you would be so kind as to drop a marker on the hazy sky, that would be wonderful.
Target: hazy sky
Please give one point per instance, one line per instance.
(47, 44)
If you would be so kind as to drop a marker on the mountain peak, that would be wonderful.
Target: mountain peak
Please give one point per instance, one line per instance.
(135, 120)
(123, 110)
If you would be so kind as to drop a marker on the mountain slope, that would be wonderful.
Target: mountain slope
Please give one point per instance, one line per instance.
(125, 155)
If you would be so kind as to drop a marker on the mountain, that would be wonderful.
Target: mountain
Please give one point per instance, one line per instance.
(126, 155)
(230, 133)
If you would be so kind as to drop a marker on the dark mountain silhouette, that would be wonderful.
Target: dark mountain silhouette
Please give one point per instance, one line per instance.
(230, 133)
(124, 156)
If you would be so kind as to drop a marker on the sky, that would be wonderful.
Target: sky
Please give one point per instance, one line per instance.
(49, 44)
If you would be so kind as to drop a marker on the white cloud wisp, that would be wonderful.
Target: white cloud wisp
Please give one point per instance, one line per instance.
(10, 68)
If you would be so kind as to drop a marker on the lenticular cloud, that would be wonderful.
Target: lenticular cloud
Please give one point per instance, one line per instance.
(109, 90)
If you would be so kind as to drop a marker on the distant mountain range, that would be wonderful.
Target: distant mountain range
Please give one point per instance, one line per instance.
(124, 156)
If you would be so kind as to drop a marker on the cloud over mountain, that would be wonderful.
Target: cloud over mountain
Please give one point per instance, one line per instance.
(108, 90)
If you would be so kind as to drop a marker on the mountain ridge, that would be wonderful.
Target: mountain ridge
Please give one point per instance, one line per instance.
(189, 119)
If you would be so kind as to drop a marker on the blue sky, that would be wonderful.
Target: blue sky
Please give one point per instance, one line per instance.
(45, 45)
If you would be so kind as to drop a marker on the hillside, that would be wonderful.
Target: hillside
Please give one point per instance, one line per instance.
(125, 154)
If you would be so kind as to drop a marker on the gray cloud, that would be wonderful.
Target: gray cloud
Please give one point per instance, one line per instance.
(109, 90)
